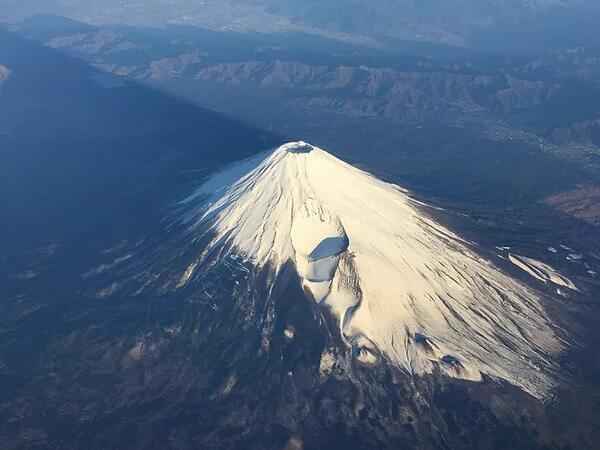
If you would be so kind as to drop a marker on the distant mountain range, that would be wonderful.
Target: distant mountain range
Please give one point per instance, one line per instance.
(470, 23)
(306, 86)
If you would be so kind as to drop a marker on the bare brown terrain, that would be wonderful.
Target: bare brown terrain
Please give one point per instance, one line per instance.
(582, 203)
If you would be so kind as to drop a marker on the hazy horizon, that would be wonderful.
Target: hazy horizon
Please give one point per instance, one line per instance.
(460, 23)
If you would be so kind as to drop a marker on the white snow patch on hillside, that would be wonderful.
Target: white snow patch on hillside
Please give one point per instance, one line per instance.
(541, 271)
(396, 279)
(4, 74)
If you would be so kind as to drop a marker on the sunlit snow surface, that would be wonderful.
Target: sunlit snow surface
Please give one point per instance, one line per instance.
(401, 284)
(543, 272)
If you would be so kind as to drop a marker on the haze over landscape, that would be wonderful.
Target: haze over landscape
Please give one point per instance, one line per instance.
(459, 22)
(259, 224)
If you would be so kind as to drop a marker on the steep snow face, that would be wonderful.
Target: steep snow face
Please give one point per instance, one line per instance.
(402, 286)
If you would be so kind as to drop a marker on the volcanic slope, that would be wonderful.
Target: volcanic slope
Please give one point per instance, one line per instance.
(402, 286)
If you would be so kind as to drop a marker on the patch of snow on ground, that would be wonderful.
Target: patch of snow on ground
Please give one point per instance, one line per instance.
(187, 274)
(4, 73)
(541, 271)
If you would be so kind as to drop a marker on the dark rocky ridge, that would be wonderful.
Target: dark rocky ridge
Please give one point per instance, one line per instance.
(547, 101)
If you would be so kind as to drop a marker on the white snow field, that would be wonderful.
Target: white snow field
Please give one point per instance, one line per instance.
(402, 285)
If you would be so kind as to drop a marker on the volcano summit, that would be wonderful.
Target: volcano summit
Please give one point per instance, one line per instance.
(401, 286)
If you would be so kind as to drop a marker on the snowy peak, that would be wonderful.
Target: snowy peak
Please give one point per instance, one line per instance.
(402, 286)
(276, 206)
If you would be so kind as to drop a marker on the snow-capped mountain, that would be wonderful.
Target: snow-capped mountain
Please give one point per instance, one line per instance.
(402, 287)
